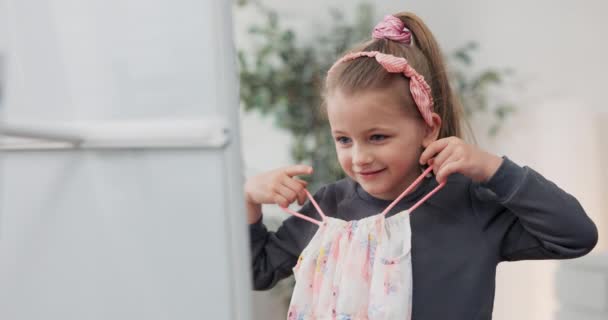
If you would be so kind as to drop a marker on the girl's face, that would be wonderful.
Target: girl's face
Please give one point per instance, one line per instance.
(378, 139)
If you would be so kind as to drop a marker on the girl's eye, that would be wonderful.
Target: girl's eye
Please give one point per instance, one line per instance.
(378, 137)
(343, 140)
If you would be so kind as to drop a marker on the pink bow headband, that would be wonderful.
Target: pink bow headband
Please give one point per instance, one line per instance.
(389, 28)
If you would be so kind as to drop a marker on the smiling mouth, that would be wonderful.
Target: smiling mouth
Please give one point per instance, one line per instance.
(370, 173)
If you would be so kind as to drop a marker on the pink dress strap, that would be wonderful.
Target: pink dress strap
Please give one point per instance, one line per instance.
(307, 218)
(403, 194)
(409, 189)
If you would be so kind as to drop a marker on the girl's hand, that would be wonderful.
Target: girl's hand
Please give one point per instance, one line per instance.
(277, 186)
(452, 154)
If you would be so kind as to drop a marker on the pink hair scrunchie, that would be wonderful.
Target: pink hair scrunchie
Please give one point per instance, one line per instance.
(392, 28)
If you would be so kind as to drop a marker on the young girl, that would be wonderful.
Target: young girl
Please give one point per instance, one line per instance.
(392, 241)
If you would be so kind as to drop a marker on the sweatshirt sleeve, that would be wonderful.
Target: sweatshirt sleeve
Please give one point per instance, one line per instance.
(274, 254)
(534, 218)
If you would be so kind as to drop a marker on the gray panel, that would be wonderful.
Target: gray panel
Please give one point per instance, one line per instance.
(113, 235)
(140, 232)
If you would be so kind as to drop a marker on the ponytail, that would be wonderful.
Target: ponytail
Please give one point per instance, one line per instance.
(447, 105)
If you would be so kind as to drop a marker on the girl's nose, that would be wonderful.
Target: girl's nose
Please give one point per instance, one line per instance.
(362, 157)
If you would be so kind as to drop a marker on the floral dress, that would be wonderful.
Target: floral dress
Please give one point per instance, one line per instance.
(355, 270)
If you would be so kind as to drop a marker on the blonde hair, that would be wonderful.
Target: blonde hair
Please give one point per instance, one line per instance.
(423, 55)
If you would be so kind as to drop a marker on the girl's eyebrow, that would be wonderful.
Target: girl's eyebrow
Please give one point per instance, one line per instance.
(366, 131)
(377, 129)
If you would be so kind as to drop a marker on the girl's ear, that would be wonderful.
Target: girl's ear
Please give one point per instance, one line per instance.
(432, 132)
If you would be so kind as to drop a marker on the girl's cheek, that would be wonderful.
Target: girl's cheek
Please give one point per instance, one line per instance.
(344, 160)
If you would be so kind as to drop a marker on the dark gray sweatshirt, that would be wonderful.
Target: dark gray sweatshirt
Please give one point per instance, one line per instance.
(459, 235)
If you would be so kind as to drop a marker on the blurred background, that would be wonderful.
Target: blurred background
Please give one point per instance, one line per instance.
(531, 76)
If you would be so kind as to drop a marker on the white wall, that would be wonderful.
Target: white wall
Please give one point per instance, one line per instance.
(558, 53)
(3, 30)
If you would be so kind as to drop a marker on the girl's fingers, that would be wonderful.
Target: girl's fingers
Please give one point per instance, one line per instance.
(302, 197)
(290, 188)
(442, 157)
(300, 191)
(297, 170)
(293, 184)
(281, 201)
(285, 192)
(433, 149)
(447, 169)
(297, 186)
